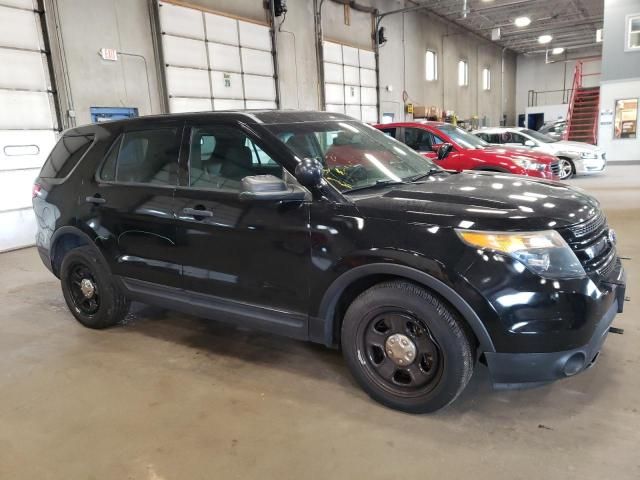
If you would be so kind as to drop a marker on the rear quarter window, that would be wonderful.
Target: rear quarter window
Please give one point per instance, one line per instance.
(65, 155)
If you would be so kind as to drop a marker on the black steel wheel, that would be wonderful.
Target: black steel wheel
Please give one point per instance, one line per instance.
(91, 293)
(406, 347)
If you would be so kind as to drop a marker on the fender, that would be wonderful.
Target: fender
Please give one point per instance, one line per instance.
(335, 290)
(70, 230)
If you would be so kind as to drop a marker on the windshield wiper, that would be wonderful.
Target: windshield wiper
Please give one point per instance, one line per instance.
(428, 173)
(379, 183)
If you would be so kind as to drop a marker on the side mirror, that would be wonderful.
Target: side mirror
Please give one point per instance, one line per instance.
(529, 143)
(444, 150)
(309, 173)
(269, 187)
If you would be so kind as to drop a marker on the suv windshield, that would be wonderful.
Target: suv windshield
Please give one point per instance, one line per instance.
(462, 138)
(541, 137)
(354, 155)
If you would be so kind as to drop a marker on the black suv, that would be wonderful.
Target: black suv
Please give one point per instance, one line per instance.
(316, 226)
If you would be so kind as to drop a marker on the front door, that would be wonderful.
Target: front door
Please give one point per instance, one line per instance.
(130, 207)
(249, 252)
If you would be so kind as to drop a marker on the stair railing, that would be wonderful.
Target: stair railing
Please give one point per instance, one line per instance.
(577, 83)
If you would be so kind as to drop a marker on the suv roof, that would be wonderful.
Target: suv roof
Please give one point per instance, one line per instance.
(268, 117)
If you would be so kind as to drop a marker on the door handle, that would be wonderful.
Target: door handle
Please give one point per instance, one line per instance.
(96, 199)
(197, 212)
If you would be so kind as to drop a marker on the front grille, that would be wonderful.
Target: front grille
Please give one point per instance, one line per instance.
(555, 168)
(590, 242)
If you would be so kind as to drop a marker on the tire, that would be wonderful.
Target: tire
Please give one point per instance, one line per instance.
(433, 373)
(107, 305)
(566, 168)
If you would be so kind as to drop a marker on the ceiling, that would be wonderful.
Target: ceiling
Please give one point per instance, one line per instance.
(572, 23)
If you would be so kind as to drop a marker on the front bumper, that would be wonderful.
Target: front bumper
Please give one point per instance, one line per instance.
(589, 166)
(510, 370)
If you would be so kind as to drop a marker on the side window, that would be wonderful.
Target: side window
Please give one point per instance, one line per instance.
(146, 156)
(389, 132)
(517, 138)
(65, 155)
(418, 139)
(221, 156)
(436, 140)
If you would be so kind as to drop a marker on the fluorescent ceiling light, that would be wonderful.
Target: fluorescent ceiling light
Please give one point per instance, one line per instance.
(557, 50)
(522, 21)
(544, 38)
(599, 35)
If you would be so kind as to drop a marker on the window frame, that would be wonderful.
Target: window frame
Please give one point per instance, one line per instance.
(465, 72)
(435, 65)
(184, 177)
(627, 32)
(486, 79)
(119, 137)
(615, 111)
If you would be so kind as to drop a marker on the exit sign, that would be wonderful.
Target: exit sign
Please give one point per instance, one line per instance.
(110, 54)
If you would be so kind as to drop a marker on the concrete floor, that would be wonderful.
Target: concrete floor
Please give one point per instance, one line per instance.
(174, 397)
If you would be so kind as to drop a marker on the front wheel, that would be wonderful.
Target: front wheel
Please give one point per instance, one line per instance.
(406, 347)
(565, 169)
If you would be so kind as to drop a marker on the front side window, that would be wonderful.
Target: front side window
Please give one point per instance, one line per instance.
(626, 119)
(353, 155)
(633, 32)
(221, 156)
(145, 156)
(418, 139)
(463, 73)
(539, 136)
(431, 60)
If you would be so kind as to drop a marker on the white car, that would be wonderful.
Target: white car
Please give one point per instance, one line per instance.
(576, 158)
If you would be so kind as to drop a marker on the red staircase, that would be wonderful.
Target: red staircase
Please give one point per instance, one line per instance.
(582, 118)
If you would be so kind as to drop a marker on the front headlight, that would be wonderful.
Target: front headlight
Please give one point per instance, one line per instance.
(591, 155)
(527, 163)
(544, 253)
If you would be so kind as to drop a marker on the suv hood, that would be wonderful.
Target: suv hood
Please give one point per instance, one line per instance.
(480, 200)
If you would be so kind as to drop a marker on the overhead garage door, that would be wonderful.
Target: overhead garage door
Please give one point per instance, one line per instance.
(214, 62)
(350, 83)
(27, 118)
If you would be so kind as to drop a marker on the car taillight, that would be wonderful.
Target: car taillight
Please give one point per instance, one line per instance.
(35, 190)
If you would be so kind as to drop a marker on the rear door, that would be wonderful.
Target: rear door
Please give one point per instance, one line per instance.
(131, 207)
(254, 253)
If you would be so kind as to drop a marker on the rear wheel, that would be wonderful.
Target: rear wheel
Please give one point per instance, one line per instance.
(89, 290)
(565, 168)
(406, 347)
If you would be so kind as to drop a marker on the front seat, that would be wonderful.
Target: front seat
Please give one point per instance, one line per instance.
(238, 163)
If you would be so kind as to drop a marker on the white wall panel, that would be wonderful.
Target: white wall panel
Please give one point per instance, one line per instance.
(15, 188)
(18, 28)
(225, 104)
(333, 73)
(254, 36)
(334, 108)
(184, 52)
(370, 114)
(367, 77)
(368, 96)
(353, 111)
(260, 105)
(22, 69)
(186, 22)
(17, 229)
(20, 3)
(188, 82)
(351, 75)
(179, 105)
(227, 85)
(28, 110)
(334, 93)
(332, 52)
(224, 57)
(367, 59)
(25, 148)
(351, 95)
(259, 88)
(221, 29)
(350, 56)
(257, 62)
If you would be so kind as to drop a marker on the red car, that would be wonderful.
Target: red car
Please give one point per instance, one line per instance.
(469, 152)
